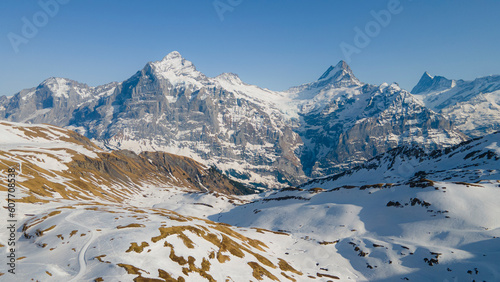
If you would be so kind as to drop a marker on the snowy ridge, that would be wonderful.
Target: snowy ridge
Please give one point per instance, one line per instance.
(430, 83)
(437, 231)
(24, 140)
(405, 215)
(471, 161)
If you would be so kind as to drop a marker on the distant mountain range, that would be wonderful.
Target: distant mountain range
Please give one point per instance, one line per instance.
(261, 137)
(473, 106)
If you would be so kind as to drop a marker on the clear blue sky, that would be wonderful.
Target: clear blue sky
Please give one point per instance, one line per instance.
(274, 44)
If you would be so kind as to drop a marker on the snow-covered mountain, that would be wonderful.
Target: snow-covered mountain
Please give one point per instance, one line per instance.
(170, 106)
(258, 136)
(53, 101)
(345, 122)
(473, 106)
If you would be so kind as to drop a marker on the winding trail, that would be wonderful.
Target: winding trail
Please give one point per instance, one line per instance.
(81, 255)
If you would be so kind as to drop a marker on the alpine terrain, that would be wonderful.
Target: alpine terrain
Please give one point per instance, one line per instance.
(473, 106)
(119, 216)
(257, 136)
(172, 175)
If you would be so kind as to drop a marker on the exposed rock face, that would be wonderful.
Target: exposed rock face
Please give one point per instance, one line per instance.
(345, 122)
(473, 106)
(261, 137)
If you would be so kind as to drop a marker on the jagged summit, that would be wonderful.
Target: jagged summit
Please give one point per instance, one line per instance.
(424, 82)
(65, 88)
(342, 66)
(431, 83)
(326, 73)
(341, 74)
(336, 76)
(472, 105)
(172, 55)
(177, 69)
(174, 61)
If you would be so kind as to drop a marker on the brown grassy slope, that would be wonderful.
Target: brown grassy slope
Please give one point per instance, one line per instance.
(111, 176)
(163, 167)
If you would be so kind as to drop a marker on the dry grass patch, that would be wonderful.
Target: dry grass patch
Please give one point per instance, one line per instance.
(131, 225)
(99, 258)
(287, 267)
(288, 277)
(328, 276)
(136, 248)
(168, 278)
(467, 184)
(259, 272)
(39, 233)
(263, 231)
(132, 269)
(328, 242)
(316, 190)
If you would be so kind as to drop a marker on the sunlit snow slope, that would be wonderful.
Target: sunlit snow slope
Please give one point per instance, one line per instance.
(405, 215)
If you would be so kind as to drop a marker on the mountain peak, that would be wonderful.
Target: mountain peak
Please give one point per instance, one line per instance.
(176, 69)
(340, 67)
(55, 80)
(431, 83)
(172, 59)
(172, 55)
(341, 72)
